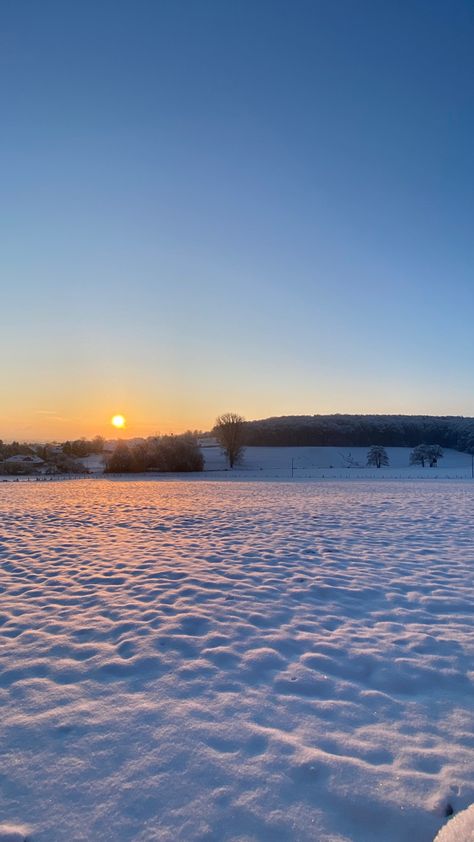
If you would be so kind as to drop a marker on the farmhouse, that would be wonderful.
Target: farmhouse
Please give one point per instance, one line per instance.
(23, 464)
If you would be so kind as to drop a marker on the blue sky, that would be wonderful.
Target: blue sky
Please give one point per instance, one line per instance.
(256, 206)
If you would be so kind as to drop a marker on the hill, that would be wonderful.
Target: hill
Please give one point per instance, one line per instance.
(449, 431)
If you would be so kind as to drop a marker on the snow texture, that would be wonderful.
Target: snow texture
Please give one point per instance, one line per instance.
(459, 829)
(10, 833)
(239, 661)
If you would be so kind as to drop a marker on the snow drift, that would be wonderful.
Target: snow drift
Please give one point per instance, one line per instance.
(235, 661)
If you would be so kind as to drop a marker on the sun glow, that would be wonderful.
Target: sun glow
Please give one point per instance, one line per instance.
(118, 421)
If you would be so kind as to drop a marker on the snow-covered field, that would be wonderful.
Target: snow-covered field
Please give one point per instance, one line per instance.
(235, 661)
(336, 463)
(303, 463)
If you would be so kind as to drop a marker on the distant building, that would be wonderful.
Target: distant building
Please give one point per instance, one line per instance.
(208, 441)
(54, 449)
(23, 464)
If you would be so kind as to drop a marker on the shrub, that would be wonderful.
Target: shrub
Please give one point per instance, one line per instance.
(167, 454)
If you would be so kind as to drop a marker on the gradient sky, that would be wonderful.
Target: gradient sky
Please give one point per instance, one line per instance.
(244, 205)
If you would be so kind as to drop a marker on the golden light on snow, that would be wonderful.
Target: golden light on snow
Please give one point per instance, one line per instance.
(118, 421)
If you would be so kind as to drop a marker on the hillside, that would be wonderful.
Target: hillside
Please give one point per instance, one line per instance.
(455, 432)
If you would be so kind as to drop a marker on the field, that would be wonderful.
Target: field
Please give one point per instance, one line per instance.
(336, 463)
(211, 661)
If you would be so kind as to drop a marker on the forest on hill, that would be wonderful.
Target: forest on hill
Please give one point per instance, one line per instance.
(448, 431)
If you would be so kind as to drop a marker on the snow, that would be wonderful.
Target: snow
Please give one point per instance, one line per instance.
(94, 463)
(235, 660)
(8, 833)
(336, 463)
(459, 829)
(303, 463)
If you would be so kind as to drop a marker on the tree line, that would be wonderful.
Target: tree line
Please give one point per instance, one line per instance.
(15, 448)
(453, 432)
(79, 448)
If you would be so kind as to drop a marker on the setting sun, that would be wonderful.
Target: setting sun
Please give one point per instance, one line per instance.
(118, 421)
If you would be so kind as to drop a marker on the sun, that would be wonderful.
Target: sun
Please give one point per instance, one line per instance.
(118, 421)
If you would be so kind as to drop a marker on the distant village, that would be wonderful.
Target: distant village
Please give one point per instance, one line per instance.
(77, 457)
(98, 455)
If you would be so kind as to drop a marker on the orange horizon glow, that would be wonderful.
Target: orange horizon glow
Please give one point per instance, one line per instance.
(42, 416)
(60, 426)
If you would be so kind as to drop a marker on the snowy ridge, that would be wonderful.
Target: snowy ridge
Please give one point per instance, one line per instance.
(236, 661)
(10, 833)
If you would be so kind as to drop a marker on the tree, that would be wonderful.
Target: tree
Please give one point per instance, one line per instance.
(435, 452)
(165, 453)
(66, 464)
(419, 455)
(229, 431)
(97, 444)
(426, 453)
(377, 456)
(121, 460)
(178, 453)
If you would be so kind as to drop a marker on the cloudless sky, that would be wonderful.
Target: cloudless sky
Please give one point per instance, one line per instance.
(264, 206)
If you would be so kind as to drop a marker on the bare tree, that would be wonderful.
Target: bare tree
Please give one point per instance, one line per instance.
(229, 432)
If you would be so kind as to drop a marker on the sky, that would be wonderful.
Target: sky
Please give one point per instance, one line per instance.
(261, 206)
